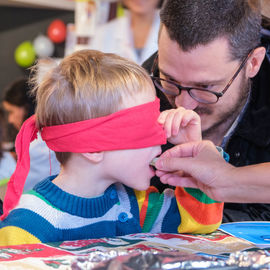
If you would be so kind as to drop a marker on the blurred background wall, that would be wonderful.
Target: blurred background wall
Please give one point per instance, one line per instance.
(18, 24)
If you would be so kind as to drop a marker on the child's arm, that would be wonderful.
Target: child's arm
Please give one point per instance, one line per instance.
(181, 125)
(199, 213)
(183, 210)
(24, 225)
(11, 234)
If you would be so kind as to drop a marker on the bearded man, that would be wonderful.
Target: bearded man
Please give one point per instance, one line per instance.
(212, 59)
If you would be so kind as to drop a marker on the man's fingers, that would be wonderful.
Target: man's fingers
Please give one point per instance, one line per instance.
(190, 149)
(182, 150)
(174, 164)
(162, 173)
(174, 180)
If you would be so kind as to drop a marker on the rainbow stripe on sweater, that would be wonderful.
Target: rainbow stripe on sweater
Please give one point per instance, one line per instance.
(198, 212)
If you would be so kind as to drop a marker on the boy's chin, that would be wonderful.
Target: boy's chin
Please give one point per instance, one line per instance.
(142, 189)
(142, 186)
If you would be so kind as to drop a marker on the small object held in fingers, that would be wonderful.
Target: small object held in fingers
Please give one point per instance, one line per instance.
(153, 162)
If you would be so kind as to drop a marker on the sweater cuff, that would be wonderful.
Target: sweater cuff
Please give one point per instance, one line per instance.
(223, 153)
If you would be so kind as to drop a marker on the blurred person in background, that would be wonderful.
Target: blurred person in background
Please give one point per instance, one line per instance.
(19, 105)
(7, 161)
(134, 35)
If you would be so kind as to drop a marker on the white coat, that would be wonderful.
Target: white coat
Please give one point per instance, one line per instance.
(116, 37)
(43, 163)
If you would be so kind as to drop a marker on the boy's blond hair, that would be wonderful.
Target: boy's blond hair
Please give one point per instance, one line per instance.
(86, 84)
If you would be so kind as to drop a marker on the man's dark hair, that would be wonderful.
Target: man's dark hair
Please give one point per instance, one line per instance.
(197, 22)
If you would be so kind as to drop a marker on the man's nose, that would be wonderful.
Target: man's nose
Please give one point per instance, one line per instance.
(186, 101)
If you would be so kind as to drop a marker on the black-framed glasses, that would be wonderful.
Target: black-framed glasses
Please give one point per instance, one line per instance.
(201, 95)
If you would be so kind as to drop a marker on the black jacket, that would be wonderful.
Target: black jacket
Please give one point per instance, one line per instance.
(250, 142)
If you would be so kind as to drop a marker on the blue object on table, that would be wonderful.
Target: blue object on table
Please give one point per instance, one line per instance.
(257, 233)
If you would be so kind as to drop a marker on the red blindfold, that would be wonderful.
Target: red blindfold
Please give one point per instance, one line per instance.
(131, 128)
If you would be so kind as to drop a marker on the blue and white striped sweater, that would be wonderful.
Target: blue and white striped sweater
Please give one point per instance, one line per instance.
(48, 214)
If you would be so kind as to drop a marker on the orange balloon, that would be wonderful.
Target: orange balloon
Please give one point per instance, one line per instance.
(57, 31)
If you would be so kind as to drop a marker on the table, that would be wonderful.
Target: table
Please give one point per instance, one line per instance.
(89, 254)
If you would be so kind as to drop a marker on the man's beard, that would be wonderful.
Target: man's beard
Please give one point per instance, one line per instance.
(229, 116)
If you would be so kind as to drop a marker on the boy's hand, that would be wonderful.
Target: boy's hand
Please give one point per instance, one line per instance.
(181, 125)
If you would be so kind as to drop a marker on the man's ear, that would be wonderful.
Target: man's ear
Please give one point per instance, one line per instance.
(255, 61)
(95, 157)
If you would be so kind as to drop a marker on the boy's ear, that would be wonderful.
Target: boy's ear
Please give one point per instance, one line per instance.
(95, 157)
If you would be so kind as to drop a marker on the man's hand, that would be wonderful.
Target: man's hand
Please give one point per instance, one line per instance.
(196, 165)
